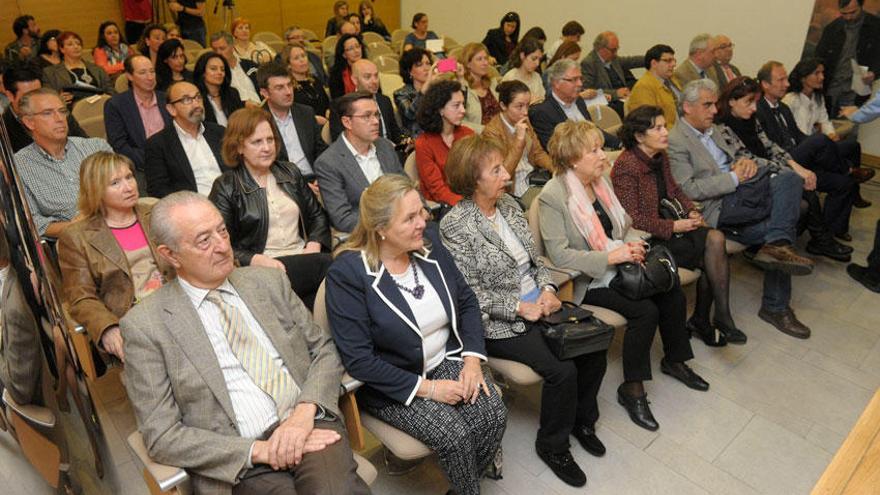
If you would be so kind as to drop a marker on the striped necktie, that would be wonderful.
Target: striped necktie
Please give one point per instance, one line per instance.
(255, 359)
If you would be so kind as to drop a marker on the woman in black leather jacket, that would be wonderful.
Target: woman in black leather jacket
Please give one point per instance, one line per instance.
(273, 218)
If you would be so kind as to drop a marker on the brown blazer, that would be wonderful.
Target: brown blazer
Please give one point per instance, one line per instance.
(177, 388)
(496, 129)
(97, 283)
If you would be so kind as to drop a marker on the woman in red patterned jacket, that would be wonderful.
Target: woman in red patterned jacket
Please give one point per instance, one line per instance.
(642, 181)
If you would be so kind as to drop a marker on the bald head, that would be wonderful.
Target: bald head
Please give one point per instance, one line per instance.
(365, 75)
(723, 48)
(606, 45)
(185, 105)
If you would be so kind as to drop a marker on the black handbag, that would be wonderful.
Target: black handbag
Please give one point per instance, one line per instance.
(671, 209)
(749, 203)
(658, 274)
(538, 177)
(573, 331)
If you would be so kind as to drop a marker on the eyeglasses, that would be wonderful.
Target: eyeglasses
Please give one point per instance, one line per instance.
(368, 116)
(572, 79)
(48, 114)
(669, 60)
(188, 99)
(725, 46)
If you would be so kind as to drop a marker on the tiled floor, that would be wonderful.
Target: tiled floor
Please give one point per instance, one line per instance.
(777, 411)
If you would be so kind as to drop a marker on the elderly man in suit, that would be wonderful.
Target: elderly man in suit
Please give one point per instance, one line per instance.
(228, 375)
(355, 160)
(563, 103)
(134, 116)
(722, 71)
(186, 154)
(365, 75)
(708, 169)
(701, 56)
(603, 69)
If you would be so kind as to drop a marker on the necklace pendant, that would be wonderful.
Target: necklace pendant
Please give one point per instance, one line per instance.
(418, 291)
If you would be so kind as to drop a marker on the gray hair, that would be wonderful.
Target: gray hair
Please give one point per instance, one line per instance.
(24, 104)
(162, 227)
(557, 71)
(601, 40)
(290, 30)
(224, 35)
(691, 92)
(699, 43)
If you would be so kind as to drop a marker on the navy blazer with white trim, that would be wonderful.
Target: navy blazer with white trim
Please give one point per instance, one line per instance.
(376, 332)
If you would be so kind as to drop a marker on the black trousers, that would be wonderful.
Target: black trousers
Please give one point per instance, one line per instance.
(874, 255)
(133, 31)
(831, 162)
(306, 272)
(669, 309)
(563, 380)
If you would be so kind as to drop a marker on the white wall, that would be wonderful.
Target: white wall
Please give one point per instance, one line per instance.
(761, 29)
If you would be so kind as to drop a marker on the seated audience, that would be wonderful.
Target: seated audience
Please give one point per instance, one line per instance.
(355, 21)
(153, 37)
(246, 49)
(308, 89)
(51, 177)
(132, 117)
(355, 160)
(417, 73)
(525, 65)
(273, 218)
(370, 22)
(522, 151)
(171, 65)
(172, 32)
(603, 69)
(190, 18)
(420, 34)
(212, 77)
(501, 41)
(294, 35)
(569, 50)
(707, 168)
(98, 290)
(347, 28)
(76, 77)
(19, 80)
(722, 71)
(481, 99)
(228, 375)
(642, 181)
(349, 49)
(483, 232)
(340, 12)
(243, 72)
(185, 155)
(27, 39)
(301, 141)
(571, 31)
(440, 117)
(701, 56)
(394, 276)
(657, 87)
(110, 51)
(365, 75)
(48, 52)
(586, 229)
(564, 103)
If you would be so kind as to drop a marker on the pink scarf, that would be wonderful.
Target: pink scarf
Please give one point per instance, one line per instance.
(584, 216)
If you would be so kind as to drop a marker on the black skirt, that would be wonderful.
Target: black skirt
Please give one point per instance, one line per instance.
(687, 249)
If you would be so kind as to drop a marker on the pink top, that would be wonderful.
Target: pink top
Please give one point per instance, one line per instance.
(150, 115)
(130, 238)
(144, 272)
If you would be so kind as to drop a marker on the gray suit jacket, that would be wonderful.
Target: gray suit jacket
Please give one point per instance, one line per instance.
(596, 77)
(685, 73)
(487, 264)
(716, 73)
(21, 355)
(177, 388)
(342, 181)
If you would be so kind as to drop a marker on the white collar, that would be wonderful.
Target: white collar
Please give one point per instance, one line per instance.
(354, 152)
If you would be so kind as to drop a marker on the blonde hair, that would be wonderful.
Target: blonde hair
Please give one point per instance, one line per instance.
(569, 142)
(468, 52)
(378, 204)
(95, 174)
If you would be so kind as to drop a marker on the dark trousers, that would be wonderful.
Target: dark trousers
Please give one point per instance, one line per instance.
(563, 381)
(133, 31)
(669, 309)
(306, 272)
(874, 255)
(329, 471)
(195, 33)
(831, 162)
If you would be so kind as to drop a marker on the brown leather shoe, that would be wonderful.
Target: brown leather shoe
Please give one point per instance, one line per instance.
(784, 259)
(785, 322)
(862, 174)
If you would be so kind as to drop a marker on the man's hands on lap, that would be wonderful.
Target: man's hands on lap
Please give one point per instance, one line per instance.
(294, 437)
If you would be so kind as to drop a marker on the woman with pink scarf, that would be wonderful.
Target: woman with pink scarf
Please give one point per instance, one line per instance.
(586, 229)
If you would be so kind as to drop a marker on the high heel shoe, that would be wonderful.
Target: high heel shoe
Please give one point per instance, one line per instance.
(710, 336)
(732, 334)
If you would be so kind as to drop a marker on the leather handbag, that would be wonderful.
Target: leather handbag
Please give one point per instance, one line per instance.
(671, 209)
(657, 274)
(573, 331)
(749, 203)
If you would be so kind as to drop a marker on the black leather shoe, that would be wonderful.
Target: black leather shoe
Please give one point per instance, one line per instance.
(709, 336)
(861, 202)
(683, 373)
(564, 467)
(638, 409)
(833, 250)
(732, 334)
(586, 435)
(865, 276)
(785, 322)
(845, 237)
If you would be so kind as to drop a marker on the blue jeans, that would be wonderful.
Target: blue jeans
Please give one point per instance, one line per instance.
(786, 188)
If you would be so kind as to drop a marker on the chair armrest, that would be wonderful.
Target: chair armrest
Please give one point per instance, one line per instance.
(35, 414)
(166, 477)
(349, 384)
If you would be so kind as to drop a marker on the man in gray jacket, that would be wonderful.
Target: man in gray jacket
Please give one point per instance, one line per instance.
(603, 69)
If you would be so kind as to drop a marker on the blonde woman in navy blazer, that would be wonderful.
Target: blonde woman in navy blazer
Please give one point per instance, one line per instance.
(408, 326)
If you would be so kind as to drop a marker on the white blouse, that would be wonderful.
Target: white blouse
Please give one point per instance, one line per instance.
(809, 111)
(431, 317)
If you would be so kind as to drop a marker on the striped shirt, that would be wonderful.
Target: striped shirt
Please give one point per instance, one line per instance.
(254, 409)
(52, 185)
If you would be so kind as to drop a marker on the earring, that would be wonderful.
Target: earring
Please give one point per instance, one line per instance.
(382, 236)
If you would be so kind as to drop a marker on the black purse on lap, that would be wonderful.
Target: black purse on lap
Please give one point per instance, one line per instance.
(573, 331)
(658, 274)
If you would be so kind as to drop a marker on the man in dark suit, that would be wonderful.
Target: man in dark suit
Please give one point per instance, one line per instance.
(18, 80)
(355, 160)
(722, 71)
(563, 103)
(134, 116)
(603, 69)
(186, 155)
(296, 123)
(365, 75)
